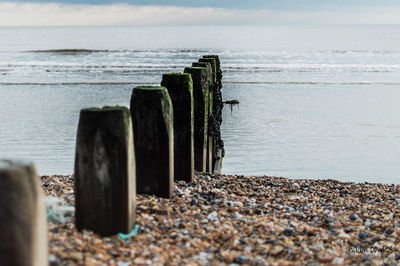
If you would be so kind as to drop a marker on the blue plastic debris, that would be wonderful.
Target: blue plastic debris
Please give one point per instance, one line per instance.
(134, 232)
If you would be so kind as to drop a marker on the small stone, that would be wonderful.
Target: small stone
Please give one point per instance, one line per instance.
(75, 256)
(54, 261)
(289, 231)
(354, 217)
(96, 241)
(200, 231)
(139, 260)
(194, 201)
(325, 258)
(362, 236)
(99, 256)
(236, 215)
(338, 261)
(213, 217)
(123, 263)
(344, 236)
(240, 259)
(275, 250)
(242, 241)
(239, 204)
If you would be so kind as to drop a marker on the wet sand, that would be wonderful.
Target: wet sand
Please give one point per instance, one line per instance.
(227, 219)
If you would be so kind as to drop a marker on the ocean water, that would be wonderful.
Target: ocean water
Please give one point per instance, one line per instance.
(315, 101)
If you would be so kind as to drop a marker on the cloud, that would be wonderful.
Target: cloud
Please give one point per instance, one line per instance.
(55, 14)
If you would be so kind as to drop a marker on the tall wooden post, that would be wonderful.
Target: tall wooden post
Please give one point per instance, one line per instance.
(200, 96)
(180, 89)
(217, 115)
(210, 74)
(105, 188)
(152, 118)
(23, 223)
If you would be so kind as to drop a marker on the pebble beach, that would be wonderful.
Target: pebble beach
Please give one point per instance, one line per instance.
(242, 220)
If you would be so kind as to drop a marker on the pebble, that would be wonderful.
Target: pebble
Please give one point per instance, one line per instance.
(354, 217)
(344, 236)
(338, 261)
(325, 258)
(213, 217)
(289, 231)
(228, 219)
(275, 250)
(240, 259)
(363, 235)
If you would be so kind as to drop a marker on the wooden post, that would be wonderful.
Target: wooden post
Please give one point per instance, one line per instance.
(23, 223)
(218, 68)
(213, 126)
(213, 65)
(210, 74)
(180, 89)
(152, 118)
(105, 188)
(200, 96)
(216, 120)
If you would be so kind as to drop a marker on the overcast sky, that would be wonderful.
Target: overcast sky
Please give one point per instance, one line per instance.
(195, 12)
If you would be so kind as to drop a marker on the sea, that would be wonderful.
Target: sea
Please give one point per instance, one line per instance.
(316, 101)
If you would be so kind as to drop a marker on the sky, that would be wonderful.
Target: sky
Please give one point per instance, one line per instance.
(197, 12)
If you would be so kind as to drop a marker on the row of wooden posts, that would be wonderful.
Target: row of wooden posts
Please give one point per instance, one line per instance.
(168, 132)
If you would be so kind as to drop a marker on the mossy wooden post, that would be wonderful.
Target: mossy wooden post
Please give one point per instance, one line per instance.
(180, 89)
(200, 96)
(213, 65)
(218, 68)
(105, 188)
(212, 125)
(152, 118)
(216, 121)
(23, 223)
(210, 75)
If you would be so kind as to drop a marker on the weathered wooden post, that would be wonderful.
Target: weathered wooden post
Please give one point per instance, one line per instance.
(152, 118)
(213, 127)
(180, 89)
(213, 65)
(210, 74)
(105, 188)
(217, 116)
(23, 234)
(200, 96)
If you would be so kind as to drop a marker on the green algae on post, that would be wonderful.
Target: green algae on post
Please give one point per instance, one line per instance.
(152, 120)
(180, 89)
(105, 188)
(200, 97)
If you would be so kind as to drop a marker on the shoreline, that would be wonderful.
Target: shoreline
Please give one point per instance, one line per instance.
(240, 219)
